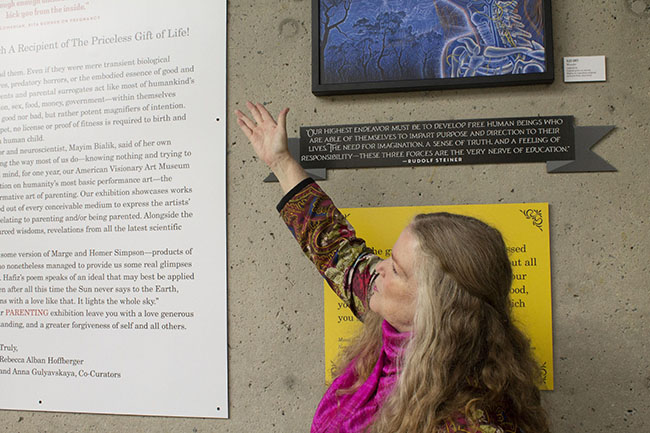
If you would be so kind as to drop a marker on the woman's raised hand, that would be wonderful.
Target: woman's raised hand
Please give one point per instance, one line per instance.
(269, 139)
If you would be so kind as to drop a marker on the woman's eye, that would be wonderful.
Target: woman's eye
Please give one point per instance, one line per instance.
(394, 269)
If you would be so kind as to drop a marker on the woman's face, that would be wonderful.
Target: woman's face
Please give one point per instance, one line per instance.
(394, 289)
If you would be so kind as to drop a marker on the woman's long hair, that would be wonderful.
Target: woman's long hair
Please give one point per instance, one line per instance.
(466, 357)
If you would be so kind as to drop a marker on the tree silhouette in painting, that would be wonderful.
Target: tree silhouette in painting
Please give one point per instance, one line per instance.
(333, 13)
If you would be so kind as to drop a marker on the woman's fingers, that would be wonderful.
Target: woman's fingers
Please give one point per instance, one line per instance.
(245, 124)
(266, 116)
(239, 114)
(248, 122)
(245, 129)
(282, 118)
(254, 111)
(260, 114)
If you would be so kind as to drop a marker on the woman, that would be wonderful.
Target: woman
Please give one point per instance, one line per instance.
(438, 351)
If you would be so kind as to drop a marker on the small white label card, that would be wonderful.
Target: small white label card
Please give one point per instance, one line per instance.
(586, 68)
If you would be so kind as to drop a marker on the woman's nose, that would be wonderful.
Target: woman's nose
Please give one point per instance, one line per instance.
(380, 267)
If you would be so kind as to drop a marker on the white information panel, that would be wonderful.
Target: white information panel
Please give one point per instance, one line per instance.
(113, 207)
(584, 69)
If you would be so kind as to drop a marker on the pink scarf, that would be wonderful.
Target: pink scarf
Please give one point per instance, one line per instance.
(352, 413)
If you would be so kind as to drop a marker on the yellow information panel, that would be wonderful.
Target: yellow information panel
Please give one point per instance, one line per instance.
(525, 230)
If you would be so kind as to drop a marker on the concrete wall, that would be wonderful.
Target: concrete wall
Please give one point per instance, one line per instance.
(599, 234)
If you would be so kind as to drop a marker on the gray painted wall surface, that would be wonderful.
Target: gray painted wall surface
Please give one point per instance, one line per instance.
(599, 234)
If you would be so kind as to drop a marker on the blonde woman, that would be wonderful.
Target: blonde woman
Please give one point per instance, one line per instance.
(438, 351)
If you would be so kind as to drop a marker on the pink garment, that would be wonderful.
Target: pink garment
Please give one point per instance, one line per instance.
(352, 413)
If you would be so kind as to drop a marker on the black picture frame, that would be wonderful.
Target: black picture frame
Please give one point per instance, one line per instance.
(526, 59)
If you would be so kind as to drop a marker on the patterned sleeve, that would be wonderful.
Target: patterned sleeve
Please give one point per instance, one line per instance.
(329, 241)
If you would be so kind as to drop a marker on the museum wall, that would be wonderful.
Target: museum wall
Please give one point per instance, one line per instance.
(598, 223)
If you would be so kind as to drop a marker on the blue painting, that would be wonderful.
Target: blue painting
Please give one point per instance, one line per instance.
(383, 40)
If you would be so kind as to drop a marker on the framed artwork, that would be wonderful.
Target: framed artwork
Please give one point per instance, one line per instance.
(364, 46)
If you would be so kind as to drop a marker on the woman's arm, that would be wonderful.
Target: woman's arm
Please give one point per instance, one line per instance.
(322, 232)
(330, 242)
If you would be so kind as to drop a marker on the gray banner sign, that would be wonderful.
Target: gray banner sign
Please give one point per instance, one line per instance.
(453, 142)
